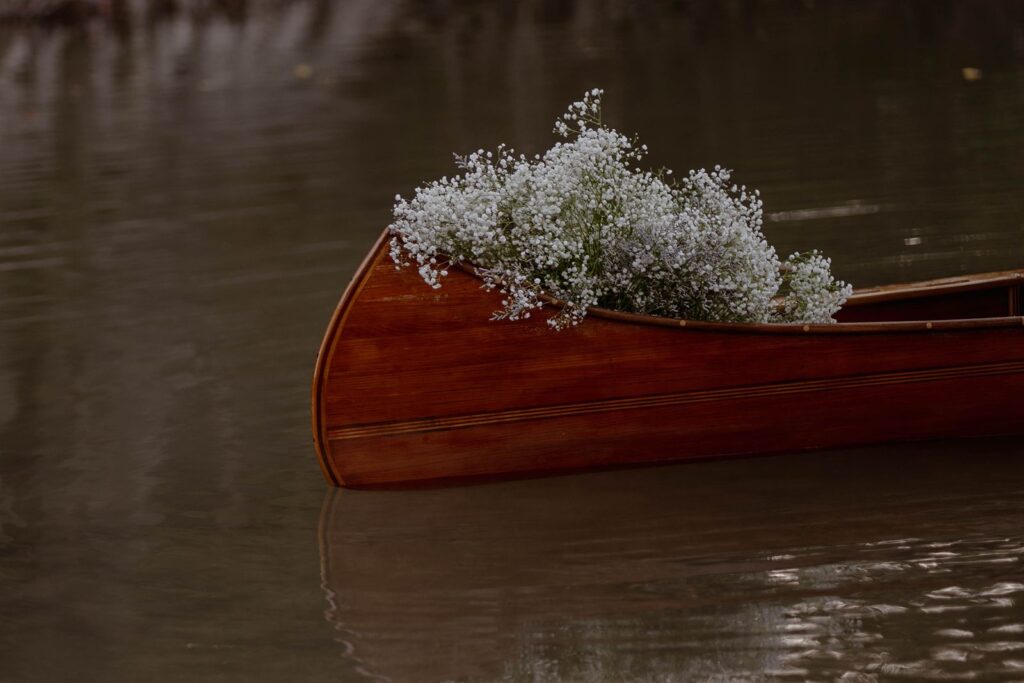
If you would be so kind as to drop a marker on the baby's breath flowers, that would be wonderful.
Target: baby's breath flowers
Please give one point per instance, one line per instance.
(584, 224)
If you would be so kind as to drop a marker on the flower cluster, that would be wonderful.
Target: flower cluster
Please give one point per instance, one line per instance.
(584, 224)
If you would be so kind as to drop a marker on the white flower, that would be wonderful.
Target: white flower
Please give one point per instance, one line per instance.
(584, 224)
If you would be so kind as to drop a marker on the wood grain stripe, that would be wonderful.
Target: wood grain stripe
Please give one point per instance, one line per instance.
(758, 391)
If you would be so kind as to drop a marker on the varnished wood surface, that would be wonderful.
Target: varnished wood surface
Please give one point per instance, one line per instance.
(415, 385)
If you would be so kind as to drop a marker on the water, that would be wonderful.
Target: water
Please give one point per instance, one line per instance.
(816, 566)
(182, 200)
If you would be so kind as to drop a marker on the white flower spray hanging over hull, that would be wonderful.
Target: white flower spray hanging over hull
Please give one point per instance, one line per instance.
(583, 223)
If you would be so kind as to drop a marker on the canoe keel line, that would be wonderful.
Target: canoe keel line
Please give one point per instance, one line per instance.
(415, 386)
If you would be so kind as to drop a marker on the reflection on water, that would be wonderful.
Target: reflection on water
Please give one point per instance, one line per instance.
(864, 564)
(183, 197)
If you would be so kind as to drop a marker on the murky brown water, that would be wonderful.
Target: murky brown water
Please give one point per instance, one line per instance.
(181, 204)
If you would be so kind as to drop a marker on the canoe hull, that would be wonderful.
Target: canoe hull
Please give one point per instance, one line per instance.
(417, 386)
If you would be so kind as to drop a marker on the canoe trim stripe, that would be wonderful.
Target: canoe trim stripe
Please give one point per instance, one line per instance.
(682, 398)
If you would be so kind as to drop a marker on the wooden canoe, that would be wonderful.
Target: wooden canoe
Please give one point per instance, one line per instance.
(415, 386)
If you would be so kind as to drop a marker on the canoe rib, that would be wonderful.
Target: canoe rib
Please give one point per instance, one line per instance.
(417, 385)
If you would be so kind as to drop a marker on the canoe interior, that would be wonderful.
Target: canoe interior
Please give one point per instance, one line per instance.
(991, 295)
(415, 386)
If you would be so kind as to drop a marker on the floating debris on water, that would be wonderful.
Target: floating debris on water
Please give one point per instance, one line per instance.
(971, 73)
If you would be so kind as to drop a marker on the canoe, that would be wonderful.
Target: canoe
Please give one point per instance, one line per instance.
(415, 386)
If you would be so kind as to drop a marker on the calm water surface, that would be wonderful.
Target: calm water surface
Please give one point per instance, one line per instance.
(182, 200)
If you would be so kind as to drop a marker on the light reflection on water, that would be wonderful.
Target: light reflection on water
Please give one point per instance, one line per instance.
(819, 567)
(182, 203)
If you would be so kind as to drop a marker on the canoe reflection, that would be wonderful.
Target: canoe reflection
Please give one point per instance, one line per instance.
(725, 569)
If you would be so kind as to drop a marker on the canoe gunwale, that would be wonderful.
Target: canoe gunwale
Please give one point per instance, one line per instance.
(926, 288)
(895, 292)
(826, 328)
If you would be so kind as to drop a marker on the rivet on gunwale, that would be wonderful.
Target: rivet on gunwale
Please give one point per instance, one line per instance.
(682, 323)
(807, 328)
(928, 325)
